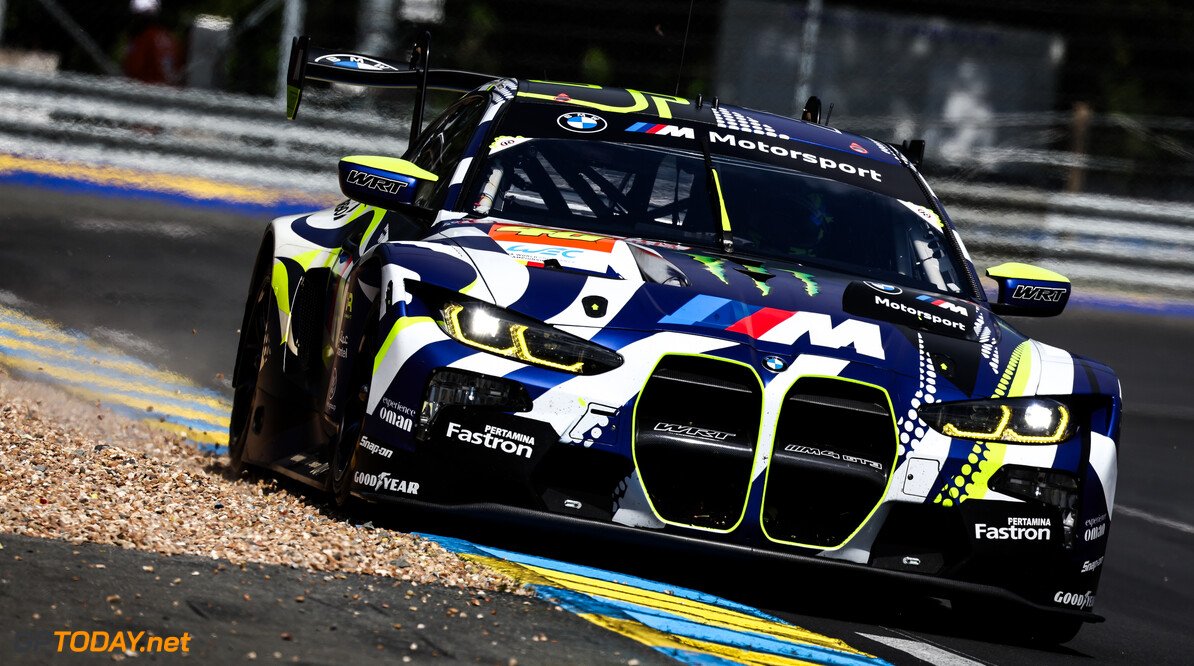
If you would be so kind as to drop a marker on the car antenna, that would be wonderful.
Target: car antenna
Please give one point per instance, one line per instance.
(829, 113)
(683, 48)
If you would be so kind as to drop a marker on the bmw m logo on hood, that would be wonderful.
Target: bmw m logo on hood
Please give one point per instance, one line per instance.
(775, 363)
(578, 121)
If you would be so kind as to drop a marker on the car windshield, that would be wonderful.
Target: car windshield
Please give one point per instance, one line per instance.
(663, 194)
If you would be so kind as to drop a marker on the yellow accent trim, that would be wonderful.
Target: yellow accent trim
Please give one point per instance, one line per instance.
(590, 86)
(1018, 271)
(721, 201)
(399, 326)
(391, 164)
(991, 454)
(307, 258)
(280, 283)
(640, 102)
(639, 97)
(895, 438)
(1023, 370)
(662, 101)
(634, 445)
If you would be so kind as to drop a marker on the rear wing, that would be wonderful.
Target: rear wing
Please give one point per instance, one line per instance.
(313, 63)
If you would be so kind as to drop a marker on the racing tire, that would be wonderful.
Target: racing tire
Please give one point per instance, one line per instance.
(251, 354)
(1053, 631)
(1016, 625)
(342, 458)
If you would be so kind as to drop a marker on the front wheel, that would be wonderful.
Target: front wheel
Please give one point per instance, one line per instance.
(341, 461)
(251, 355)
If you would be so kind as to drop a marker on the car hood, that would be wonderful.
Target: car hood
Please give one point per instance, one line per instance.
(577, 280)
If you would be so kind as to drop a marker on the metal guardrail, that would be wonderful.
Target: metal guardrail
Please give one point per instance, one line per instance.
(1132, 245)
(240, 138)
(1137, 246)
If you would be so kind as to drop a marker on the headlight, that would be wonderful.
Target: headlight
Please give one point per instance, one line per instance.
(1014, 420)
(507, 333)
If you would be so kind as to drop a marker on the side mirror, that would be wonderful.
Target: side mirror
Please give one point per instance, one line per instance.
(1029, 291)
(385, 182)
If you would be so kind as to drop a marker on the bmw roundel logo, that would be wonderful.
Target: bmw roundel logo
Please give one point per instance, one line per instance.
(579, 121)
(885, 288)
(775, 363)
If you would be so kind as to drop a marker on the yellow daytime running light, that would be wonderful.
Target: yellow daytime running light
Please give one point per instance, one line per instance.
(523, 352)
(453, 311)
(1058, 433)
(953, 431)
(1051, 419)
(519, 349)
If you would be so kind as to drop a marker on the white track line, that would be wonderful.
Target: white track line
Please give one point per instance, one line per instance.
(1156, 520)
(923, 651)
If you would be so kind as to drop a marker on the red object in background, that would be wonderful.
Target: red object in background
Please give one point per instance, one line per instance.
(154, 56)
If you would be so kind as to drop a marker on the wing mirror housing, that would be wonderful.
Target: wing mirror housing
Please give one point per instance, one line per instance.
(1029, 291)
(385, 182)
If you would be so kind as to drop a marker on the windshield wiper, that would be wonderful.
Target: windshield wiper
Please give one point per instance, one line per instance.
(717, 200)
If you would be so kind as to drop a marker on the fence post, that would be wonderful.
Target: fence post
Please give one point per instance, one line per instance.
(1079, 133)
(292, 25)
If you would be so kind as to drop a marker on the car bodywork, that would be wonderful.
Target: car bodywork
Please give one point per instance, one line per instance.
(421, 343)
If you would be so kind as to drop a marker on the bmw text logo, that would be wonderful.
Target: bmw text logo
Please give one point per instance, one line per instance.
(885, 288)
(775, 363)
(581, 122)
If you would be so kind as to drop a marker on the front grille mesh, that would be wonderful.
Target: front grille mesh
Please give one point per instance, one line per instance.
(696, 437)
(696, 428)
(834, 448)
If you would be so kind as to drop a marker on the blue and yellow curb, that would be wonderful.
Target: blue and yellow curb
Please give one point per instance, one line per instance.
(166, 401)
(113, 181)
(689, 626)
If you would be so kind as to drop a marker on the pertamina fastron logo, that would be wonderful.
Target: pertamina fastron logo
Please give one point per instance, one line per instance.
(506, 441)
(1018, 529)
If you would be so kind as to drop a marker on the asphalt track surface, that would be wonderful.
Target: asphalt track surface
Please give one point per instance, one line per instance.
(167, 283)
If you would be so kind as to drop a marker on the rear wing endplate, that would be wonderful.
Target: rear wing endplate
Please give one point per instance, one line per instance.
(309, 62)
